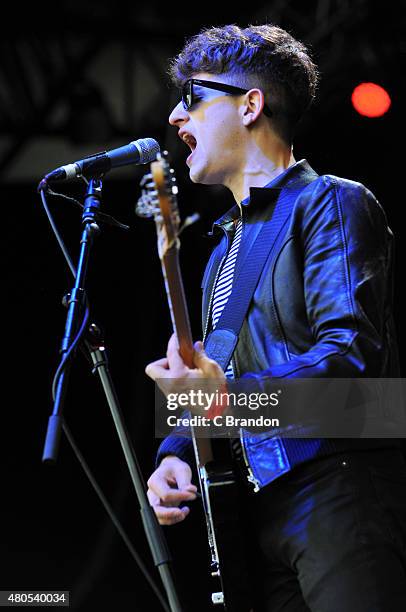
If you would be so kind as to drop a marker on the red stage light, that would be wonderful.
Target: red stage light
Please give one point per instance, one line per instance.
(370, 100)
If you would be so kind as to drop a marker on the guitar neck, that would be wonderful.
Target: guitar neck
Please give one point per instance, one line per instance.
(181, 325)
(177, 304)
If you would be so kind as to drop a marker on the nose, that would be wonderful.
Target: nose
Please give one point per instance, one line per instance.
(178, 115)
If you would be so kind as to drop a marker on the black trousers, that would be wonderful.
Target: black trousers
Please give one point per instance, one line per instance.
(331, 536)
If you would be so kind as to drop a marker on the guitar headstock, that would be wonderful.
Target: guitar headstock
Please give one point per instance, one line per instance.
(159, 200)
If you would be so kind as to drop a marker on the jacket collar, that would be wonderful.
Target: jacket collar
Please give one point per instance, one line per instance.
(294, 177)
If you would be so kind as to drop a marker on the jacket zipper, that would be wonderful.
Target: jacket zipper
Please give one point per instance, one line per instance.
(250, 476)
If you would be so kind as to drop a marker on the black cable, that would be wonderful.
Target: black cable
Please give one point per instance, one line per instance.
(57, 234)
(66, 430)
(69, 352)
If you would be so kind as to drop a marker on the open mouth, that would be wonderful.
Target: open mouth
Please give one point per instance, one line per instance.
(190, 141)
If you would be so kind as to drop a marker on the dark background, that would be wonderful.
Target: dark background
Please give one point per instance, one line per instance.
(75, 80)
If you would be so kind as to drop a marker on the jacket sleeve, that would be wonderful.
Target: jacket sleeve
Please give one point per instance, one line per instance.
(178, 443)
(346, 246)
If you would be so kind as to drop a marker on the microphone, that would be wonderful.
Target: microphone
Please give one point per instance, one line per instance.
(140, 151)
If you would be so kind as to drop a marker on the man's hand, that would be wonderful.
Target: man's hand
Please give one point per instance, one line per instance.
(169, 486)
(172, 375)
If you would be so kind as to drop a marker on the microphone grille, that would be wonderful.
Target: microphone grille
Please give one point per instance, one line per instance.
(148, 149)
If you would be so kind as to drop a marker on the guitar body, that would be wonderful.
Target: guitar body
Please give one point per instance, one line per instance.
(219, 486)
(224, 511)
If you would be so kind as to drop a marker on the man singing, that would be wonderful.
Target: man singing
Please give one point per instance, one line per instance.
(327, 515)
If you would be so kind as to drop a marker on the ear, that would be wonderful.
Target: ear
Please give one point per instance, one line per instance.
(253, 104)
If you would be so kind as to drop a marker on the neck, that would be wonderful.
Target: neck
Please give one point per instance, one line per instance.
(259, 169)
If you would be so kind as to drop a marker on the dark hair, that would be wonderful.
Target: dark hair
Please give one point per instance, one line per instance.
(264, 56)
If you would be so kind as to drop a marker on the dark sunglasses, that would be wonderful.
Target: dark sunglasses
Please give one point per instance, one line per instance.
(188, 98)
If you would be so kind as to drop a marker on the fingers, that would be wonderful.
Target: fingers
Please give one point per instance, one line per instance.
(157, 369)
(166, 499)
(172, 368)
(175, 361)
(170, 516)
(170, 496)
(172, 364)
(171, 482)
(209, 367)
(166, 515)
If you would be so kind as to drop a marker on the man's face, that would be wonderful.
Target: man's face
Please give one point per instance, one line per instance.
(212, 129)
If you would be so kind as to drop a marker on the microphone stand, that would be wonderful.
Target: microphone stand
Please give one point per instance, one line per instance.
(95, 346)
(75, 301)
(153, 531)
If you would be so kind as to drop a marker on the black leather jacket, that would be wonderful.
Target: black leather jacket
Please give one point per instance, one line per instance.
(322, 306)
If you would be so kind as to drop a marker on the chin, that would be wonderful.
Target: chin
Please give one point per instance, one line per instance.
(196, 176)
(202, 176)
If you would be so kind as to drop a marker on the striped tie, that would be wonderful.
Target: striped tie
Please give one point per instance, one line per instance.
(224, 284)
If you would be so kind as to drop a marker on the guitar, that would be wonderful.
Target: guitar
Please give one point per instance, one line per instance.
(218, 483)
